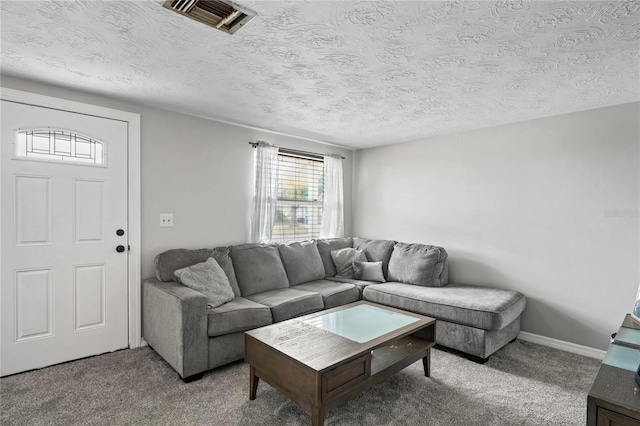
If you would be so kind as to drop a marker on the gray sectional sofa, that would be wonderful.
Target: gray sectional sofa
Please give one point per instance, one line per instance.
(273, 283)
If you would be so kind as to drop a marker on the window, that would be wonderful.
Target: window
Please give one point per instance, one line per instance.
(297, 195)
(59, 145)
(300, 197)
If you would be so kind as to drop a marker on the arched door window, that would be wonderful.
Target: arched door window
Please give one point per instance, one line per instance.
(59, 146)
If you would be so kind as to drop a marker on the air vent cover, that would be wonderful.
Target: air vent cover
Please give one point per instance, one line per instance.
(220, 15)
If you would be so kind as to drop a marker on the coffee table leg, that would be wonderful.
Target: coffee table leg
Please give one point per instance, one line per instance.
(426, 363)
(317, 416)
(253, 383)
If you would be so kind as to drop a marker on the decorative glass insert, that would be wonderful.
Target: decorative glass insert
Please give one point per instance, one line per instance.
(59, 145)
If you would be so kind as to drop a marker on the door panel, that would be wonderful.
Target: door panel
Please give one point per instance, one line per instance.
(64, 287)
(89, 285)
(33, 305)
(88, 199)
(33, 210)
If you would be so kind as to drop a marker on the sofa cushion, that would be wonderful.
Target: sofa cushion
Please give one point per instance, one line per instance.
(377, 251)
(209, 279)
(344, 258)
(302, 262)
(368, 271)
(475, 341)
(361, 284)
(258, 268)
(360, 243)
(418, 264)
(326, 246)
(333, 293)
(239, 314)
(475, 306)
(167, 262)
(288, 303)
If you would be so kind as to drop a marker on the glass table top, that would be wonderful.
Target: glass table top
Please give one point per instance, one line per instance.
(361, 323)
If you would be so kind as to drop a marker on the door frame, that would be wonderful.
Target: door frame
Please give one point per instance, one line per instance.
(133, 186)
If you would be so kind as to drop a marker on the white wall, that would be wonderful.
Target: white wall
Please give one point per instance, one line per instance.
(199, 170)
(524, 206)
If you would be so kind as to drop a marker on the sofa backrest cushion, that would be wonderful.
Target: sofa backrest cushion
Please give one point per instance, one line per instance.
(360, 243)
(376, 251)
(444, 277)
(344, 258)
(301, 261)
(418, 264)
(326, 246)
(258, 268)
(170, 260)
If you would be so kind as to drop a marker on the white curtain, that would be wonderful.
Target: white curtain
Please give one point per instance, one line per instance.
(333, 209)
(265, 193)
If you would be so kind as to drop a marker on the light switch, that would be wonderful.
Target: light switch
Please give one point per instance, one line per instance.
(166, 220)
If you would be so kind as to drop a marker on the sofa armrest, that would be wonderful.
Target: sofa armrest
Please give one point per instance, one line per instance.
(174, 323)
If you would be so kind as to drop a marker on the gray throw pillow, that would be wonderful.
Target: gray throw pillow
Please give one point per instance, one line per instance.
(368, 271)
(326, 246)
(209, 279)
(378, 251)
(169, 261)
(344, 258)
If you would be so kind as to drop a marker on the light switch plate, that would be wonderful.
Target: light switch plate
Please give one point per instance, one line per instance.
(166, 220)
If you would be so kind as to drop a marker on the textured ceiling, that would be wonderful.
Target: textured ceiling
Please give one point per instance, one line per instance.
(356, 74)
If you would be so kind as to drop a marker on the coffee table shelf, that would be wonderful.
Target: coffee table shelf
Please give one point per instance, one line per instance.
(394, 354)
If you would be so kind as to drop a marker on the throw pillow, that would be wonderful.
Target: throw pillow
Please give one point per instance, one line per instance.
(169, 261)
(378, 251)
(344, 258)
(368, 271)
(325, 246)
(209, 279)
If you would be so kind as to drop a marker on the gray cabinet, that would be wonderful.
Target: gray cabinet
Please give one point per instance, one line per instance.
(614, 398)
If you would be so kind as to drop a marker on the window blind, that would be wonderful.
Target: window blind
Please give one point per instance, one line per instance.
(300, 197)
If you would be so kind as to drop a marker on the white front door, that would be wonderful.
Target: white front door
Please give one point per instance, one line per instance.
(64, 236)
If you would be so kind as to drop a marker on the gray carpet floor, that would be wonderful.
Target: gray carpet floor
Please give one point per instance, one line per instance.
(522, 384)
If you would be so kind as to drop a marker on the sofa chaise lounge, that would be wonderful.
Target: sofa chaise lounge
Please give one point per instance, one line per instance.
(273, 283)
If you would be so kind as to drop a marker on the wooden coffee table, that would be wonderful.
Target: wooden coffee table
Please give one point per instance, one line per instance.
(321, 360)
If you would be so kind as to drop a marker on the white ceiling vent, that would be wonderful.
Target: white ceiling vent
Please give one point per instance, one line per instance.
(221, 15)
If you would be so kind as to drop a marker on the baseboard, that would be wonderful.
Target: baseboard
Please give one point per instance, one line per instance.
(562, 345)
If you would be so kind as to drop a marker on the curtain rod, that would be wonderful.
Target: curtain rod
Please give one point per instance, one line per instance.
(297, 152)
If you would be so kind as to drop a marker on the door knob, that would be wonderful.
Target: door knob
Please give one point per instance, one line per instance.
(120, 249)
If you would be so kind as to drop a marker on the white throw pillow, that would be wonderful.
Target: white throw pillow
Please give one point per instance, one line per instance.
(209, 279)
(368, 271)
